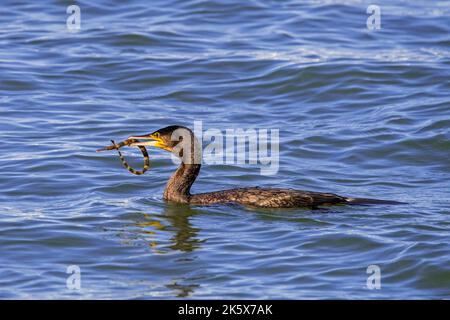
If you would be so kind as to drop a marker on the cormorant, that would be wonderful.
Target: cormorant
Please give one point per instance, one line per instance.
(181, 141)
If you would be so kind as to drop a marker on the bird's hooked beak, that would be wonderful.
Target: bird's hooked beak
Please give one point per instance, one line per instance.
(155, 141)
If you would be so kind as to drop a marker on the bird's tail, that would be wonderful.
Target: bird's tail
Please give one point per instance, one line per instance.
(366, 201)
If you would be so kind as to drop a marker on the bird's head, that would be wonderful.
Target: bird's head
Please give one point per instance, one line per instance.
(178, 140)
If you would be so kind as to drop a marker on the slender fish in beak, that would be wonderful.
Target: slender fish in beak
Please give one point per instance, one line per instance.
(129, 142)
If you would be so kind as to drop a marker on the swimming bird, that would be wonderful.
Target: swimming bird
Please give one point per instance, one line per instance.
(181, 141)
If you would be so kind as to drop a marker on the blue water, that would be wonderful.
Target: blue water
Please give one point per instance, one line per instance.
(360, 112)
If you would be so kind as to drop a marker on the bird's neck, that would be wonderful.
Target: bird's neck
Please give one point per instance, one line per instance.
(178, 188)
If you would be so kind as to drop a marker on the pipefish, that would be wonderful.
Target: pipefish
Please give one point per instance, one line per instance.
(128, 142)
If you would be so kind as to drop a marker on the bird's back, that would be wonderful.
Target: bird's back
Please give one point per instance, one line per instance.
(268, 197)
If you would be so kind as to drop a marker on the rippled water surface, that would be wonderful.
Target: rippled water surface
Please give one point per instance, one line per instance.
(361, 113)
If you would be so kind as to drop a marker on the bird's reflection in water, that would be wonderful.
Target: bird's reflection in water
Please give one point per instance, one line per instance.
(183, 237)
(175, 221)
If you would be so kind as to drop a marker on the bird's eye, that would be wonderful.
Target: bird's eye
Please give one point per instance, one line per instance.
(156, 134)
